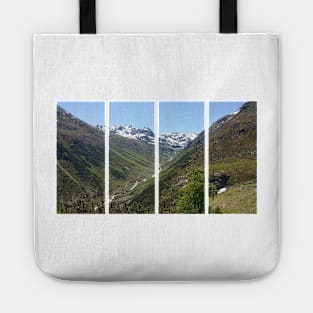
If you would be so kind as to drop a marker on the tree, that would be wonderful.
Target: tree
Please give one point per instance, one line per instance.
(192, 194)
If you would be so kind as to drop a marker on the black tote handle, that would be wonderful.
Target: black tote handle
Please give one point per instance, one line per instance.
(228, 16)
(87, 16)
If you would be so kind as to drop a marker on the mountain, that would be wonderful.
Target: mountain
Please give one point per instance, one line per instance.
(232, 161)
(234, 136)
(80, 165)
(175, 141)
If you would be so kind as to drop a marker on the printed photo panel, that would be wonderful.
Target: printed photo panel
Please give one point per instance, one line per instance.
(80, 157)
(131, 158)
(181, 147)
(233, 157)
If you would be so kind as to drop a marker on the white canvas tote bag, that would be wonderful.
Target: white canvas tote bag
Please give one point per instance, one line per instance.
(156, 156)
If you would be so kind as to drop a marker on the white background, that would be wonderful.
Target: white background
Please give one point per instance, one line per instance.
(24, 288)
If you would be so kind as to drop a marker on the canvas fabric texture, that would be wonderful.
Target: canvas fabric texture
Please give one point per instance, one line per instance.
(156, 67)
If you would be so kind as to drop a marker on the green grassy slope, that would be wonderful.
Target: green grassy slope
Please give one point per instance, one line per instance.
(80, 165)
(232, 155)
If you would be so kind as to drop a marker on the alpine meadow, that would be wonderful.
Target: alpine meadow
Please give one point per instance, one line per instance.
(233, 159)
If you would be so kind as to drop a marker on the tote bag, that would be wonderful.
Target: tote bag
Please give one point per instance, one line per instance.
(156, 156)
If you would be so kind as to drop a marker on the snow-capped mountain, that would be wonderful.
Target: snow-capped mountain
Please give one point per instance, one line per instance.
(143, 134)
(175, 141)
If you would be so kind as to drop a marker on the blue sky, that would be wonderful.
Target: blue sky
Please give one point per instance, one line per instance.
(184, 117)
(174, 116)
(89, 112)
(219, 109)
(137, 114)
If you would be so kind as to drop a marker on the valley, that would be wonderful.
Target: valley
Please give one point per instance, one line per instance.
(132, 168)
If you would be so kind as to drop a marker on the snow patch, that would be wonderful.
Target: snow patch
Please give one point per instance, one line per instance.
(222, 190)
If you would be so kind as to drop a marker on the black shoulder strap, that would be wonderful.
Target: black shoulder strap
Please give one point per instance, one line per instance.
(228, 16)
(87, 16)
